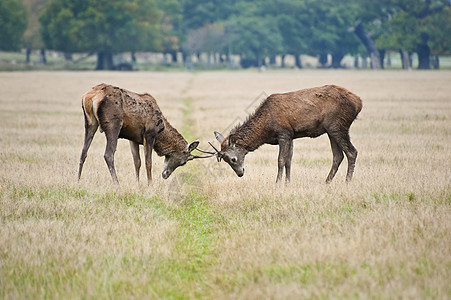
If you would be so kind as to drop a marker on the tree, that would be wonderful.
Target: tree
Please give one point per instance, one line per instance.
(329, 24)
(198, 13)
(257, 39)
(171, 26)
(416, 26)
(32, 38)
(440, 39)
(369, 25)
(253, 33)
(294, 27)
(208, 39)
(102, 26)
(13, 22)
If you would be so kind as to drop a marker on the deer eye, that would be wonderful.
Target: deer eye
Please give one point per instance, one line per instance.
(233, 159)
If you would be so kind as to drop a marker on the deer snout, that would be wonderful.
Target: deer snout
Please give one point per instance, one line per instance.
(165, 174)
(240, 172)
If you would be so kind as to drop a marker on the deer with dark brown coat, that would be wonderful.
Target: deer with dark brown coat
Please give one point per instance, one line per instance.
(283, 117)
(136, 117)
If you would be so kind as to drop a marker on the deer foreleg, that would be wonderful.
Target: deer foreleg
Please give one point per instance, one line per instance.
(284, 151)
(149, 140)
(136, 158)
(288, 162)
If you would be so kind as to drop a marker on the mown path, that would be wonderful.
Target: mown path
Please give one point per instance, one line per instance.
(186, 273)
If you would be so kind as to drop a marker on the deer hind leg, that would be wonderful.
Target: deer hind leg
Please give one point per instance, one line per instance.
(149, 140)
(90, 130)
(337, 158)
(344, 142)
(112, 135)
(136, 158)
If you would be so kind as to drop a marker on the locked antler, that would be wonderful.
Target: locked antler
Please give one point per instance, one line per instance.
(219, 154)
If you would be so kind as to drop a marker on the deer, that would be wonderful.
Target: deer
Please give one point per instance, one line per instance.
(136, 117)
(281, 118)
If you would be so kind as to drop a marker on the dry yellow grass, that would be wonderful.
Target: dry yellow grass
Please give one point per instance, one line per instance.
(205, 233)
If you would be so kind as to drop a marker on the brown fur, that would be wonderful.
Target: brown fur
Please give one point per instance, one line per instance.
(305, 113)
(124, 114)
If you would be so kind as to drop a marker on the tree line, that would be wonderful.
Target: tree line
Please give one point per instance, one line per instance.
(256, 31)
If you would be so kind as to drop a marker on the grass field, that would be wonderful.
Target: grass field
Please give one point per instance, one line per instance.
(205, 233)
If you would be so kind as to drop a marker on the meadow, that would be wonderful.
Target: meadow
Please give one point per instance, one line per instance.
(204, 233)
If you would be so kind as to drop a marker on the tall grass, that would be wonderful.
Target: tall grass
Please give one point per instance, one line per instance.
(205, 233)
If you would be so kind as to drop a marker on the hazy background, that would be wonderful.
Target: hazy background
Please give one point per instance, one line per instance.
(207, 34)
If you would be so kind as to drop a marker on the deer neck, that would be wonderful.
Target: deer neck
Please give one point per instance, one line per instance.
(169, 140)
(251, 134)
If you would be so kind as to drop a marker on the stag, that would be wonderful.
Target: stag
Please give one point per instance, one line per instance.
(283, 117)
(136, 117)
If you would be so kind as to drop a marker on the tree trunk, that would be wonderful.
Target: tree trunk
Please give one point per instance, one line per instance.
(174, 56)
(388, 59)
(405, 59)
(283, 61)
(336, 59)
(424, 53)
(28, 55)
(43, 57)
(368, 42)
(104, 61)
(259, 62)
(356, 62)
(272, 60)
(365, 62)
(68, 56)
(298, 61)
(323, 60)
(381, 58)
(436, 62)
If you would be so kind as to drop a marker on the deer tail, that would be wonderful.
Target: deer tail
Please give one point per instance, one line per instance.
(90, 104)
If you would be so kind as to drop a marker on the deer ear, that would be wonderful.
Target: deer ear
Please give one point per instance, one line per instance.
(160, 125)
(232, 140)
(219, 137)
(193, 146)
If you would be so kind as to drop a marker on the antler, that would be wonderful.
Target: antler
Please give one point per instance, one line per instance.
(203, 151)
(218, 153)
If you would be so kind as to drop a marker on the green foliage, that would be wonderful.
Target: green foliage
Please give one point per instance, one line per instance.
(294, 26)
(330, 25)
(171, 24)
(13, 22)
(415, 23)
(439, 26)
(197, 13)
(252, 29)
(32, 36)
(102, 26)
(258, 37)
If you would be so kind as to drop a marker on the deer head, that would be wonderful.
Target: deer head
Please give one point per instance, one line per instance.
(231, 152)
(176, 159)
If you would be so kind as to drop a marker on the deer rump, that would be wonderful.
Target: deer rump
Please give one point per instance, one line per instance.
(311, 112)
(111, 107)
